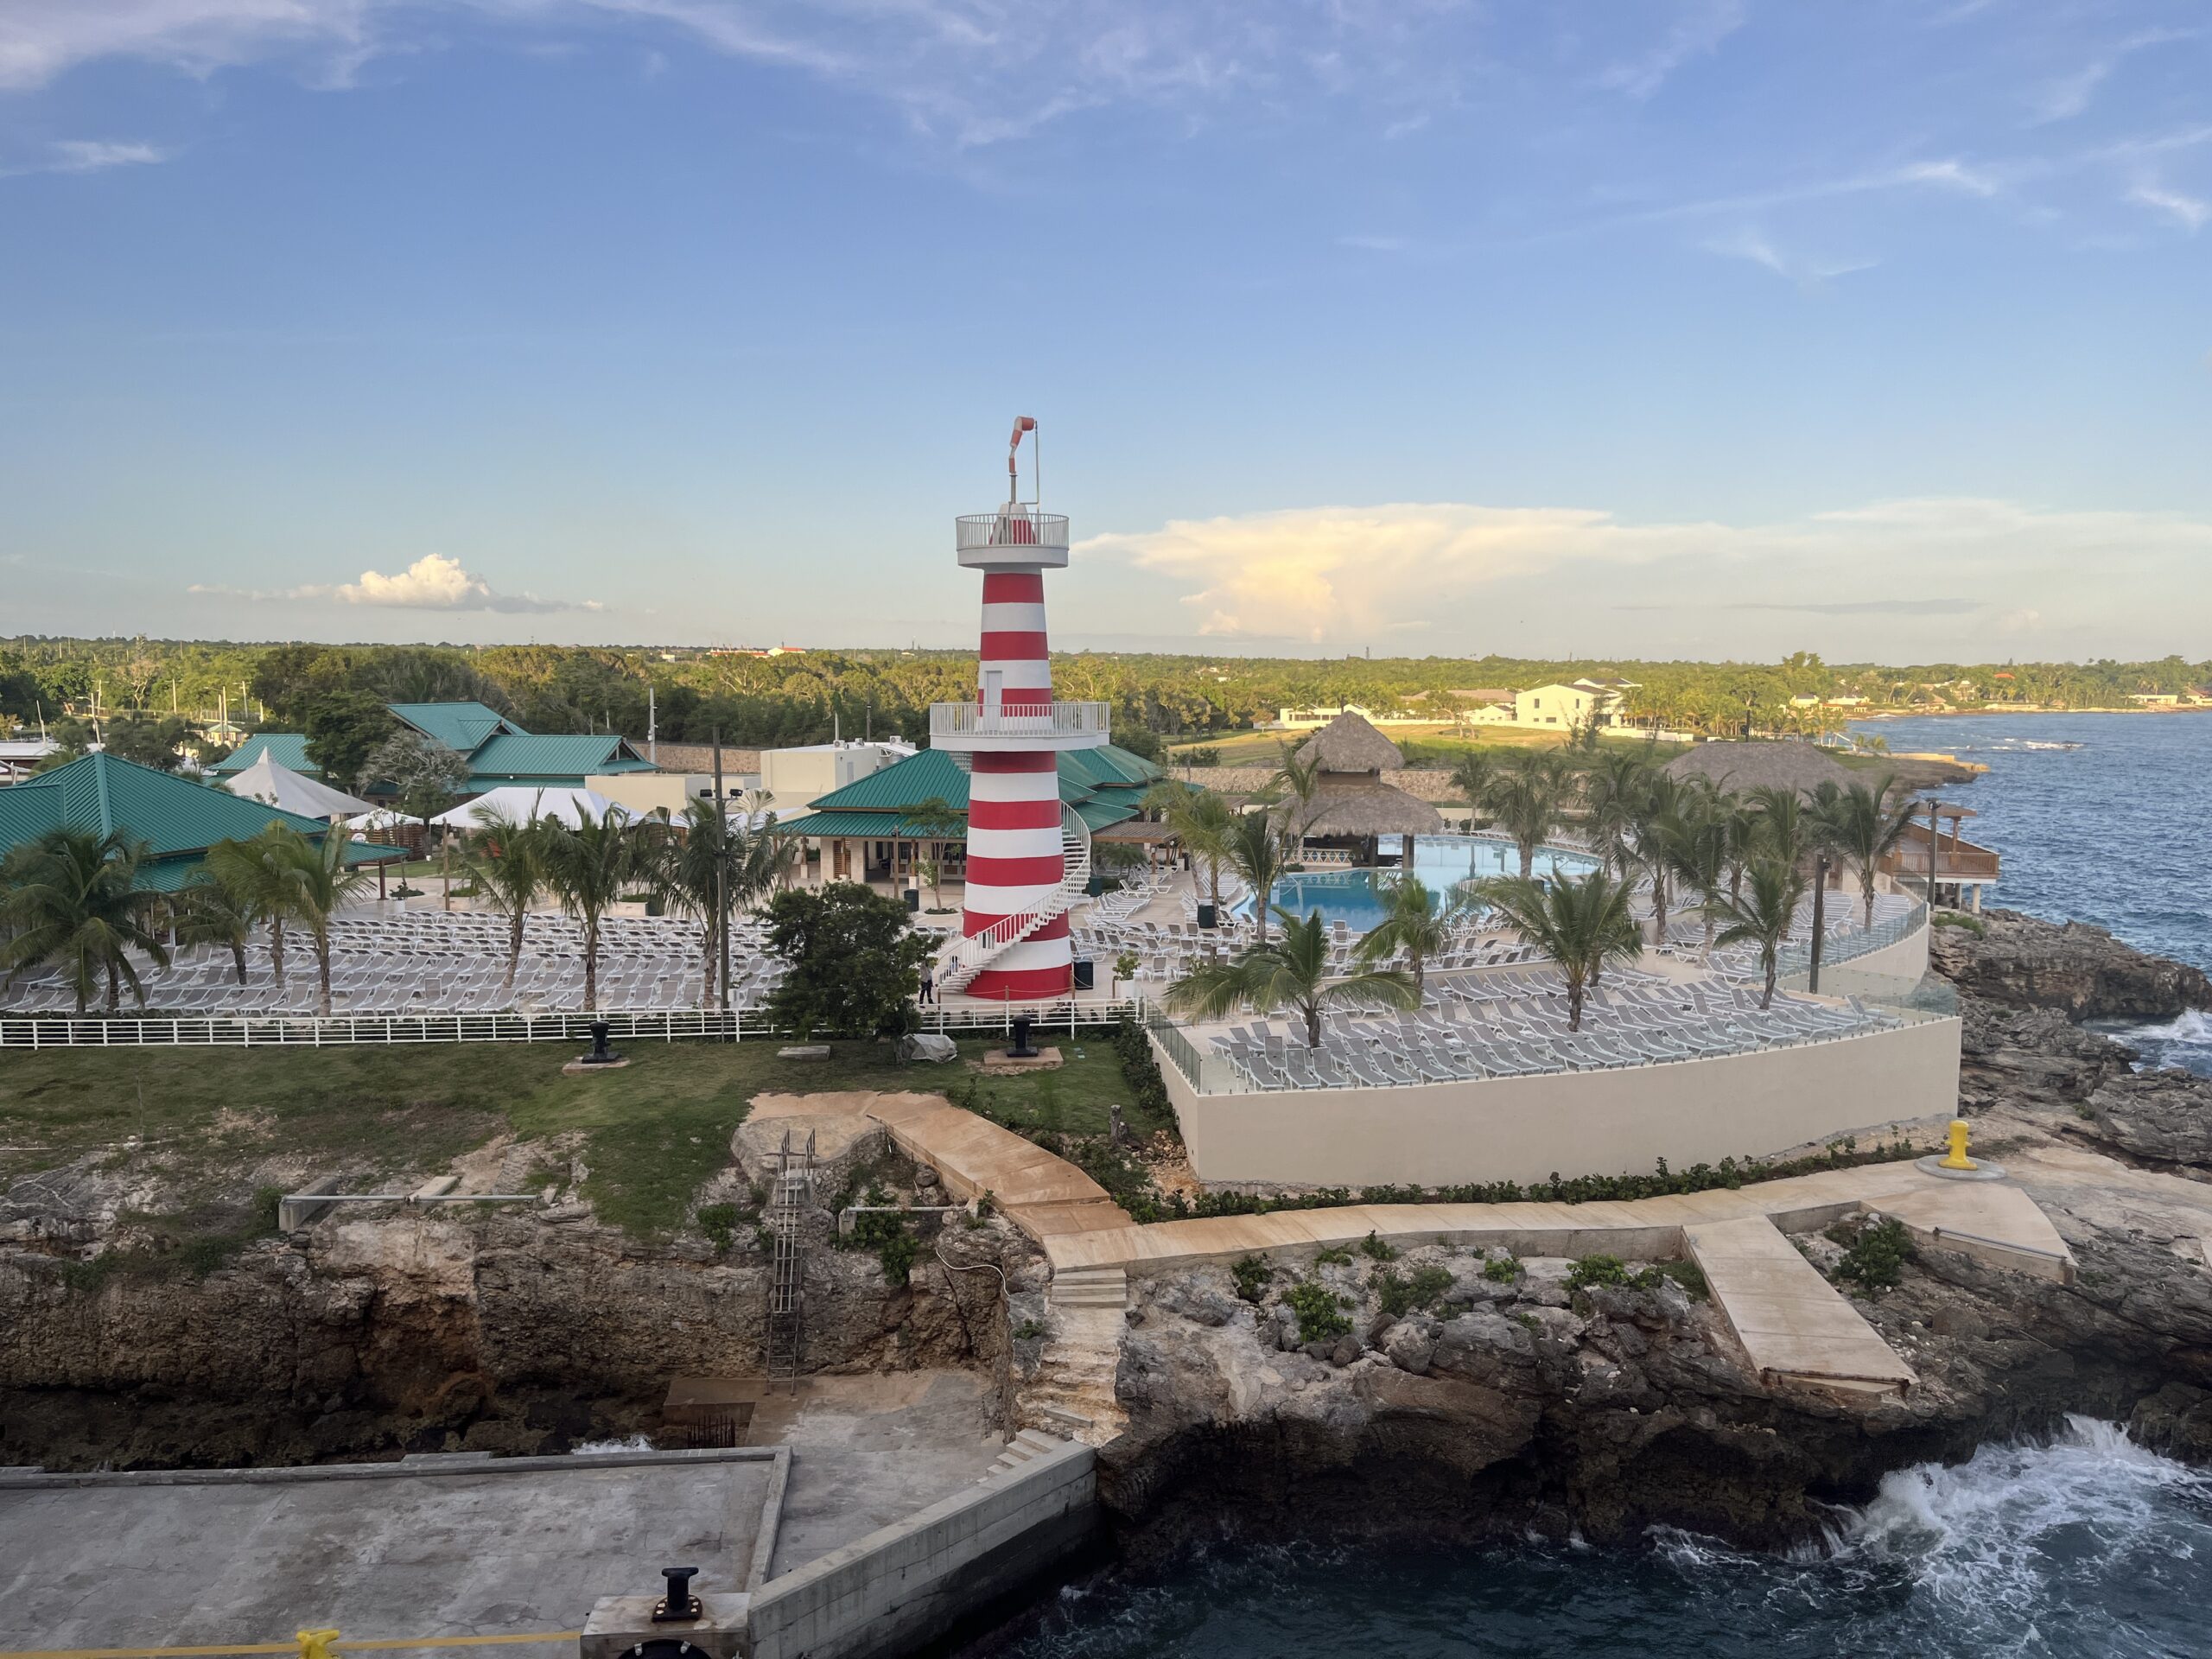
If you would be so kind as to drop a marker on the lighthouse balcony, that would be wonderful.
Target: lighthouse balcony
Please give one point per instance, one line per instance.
(962, 728)
(1014, 538)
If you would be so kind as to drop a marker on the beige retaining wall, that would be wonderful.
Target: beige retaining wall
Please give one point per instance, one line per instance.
(1618, 1121)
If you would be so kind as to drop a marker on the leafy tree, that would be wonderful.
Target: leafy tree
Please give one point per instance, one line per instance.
(713, 870)
(1301, 781)
(69, 897)
(1530, 799)
(1694, 844)
(1412, 922)
(934, 820)
(1614, 794)
(589, 867)
(149, 739)
(852, 965)
(1763, 916)
(424, 775)
(1584, 926)
(344, 729)
(1474, 775)
(1292, 973)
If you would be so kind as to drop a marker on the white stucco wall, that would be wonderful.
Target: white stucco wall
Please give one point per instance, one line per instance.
(1602, 1122)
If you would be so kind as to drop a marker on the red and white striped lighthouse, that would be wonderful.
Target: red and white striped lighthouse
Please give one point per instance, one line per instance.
(1027, 857)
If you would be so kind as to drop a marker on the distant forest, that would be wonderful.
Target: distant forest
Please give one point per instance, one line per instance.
(803, 698)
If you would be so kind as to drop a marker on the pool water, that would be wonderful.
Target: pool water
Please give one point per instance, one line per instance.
(1356, 896)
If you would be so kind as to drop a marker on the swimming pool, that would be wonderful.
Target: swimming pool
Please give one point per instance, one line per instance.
(1355, 897)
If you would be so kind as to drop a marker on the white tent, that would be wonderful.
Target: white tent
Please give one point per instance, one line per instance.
(526, 804)
(283, 788)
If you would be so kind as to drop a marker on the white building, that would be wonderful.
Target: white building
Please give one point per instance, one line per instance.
(792, 777)
(1601, 703)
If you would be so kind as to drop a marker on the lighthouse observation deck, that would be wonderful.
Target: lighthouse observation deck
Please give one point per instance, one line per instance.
(1015, 537)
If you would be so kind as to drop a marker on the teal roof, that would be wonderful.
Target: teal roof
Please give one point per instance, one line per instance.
(527, 757)
(460, 727)
(177, 819)
(288, 749)
(1104, 785)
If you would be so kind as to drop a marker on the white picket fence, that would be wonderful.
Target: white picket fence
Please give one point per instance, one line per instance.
(739, 1025)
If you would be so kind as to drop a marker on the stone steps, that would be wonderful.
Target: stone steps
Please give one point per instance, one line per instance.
(1089, 1287)
(1030, 1442)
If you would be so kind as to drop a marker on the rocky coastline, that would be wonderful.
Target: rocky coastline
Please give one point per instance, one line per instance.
(1513, 1400)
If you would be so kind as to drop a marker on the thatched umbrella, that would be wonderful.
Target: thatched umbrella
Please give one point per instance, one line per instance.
(1744, 767)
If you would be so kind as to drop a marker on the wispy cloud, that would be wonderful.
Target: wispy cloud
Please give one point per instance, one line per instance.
(87, 155)
(1950, 175)
(1374, 244)
(1697, 33)
(1753, 246)
(2070, 94)
(434, 582)
(2189, 212)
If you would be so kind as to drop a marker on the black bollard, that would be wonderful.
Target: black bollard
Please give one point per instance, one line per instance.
(679, 1603)
(1020, 1049)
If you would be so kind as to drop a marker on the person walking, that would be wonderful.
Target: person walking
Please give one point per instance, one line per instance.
(928, 982)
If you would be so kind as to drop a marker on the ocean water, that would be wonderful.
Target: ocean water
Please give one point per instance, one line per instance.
(2080, 1548)
(2103, 818)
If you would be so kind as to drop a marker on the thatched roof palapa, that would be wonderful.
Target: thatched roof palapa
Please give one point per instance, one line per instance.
(1365, 806)
(1349, 743)
(1775, 763)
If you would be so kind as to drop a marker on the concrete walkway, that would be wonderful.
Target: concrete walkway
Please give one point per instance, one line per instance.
(1791, 1323)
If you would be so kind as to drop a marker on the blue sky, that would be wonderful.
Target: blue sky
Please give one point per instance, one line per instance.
(1654, 326)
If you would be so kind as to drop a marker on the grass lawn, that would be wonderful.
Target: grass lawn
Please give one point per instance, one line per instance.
(652, 1133)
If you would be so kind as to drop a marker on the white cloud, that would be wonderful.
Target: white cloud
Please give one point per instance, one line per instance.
(2189, 212)
(1374, 244)
(40, 39)
(87, 155)
(1344, 575)
(1951, 174)
(434, 582)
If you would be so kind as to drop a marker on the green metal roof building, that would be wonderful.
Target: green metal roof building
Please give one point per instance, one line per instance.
(499, 751)
(1103, 785)
(178, 820)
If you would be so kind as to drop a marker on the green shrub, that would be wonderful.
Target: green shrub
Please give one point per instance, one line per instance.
(1335, 1256)
(1589, 1270)
(1689, 1276)
(1028, 1331)
(1401, 1294)
(1502, 1270)
(1973, 924)
(1251, 1273)
(1377, 1250)
(1873, 1255)
(719, 1223)
(1321, 1311)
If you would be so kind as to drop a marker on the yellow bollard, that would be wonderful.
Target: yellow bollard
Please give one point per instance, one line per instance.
(1957, 1160)
(315, 1644)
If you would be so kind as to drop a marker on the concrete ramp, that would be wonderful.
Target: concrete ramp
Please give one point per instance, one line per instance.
(1792, 1324)
(1992, 1221)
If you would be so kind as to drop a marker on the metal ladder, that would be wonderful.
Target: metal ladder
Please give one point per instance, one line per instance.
(791, 1198)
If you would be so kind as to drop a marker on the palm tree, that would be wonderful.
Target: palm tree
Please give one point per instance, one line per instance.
(259, 875)
(933, 820)
(1619, 783)
(1529, 801)
(1739, 825)
(322, 884)
(1583, 926)
(1662, 800)
(1301, 781)
(69, 897)
(1866, 826)
(207, 913)
(716, 870)
(1201, 820)
(502, 861)
(1694, 844)
(1293, 973)
(1256, 852)
(1782, 829)
(1474, 774)
(1413, 922)
(1765, 916)
(588, 867)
